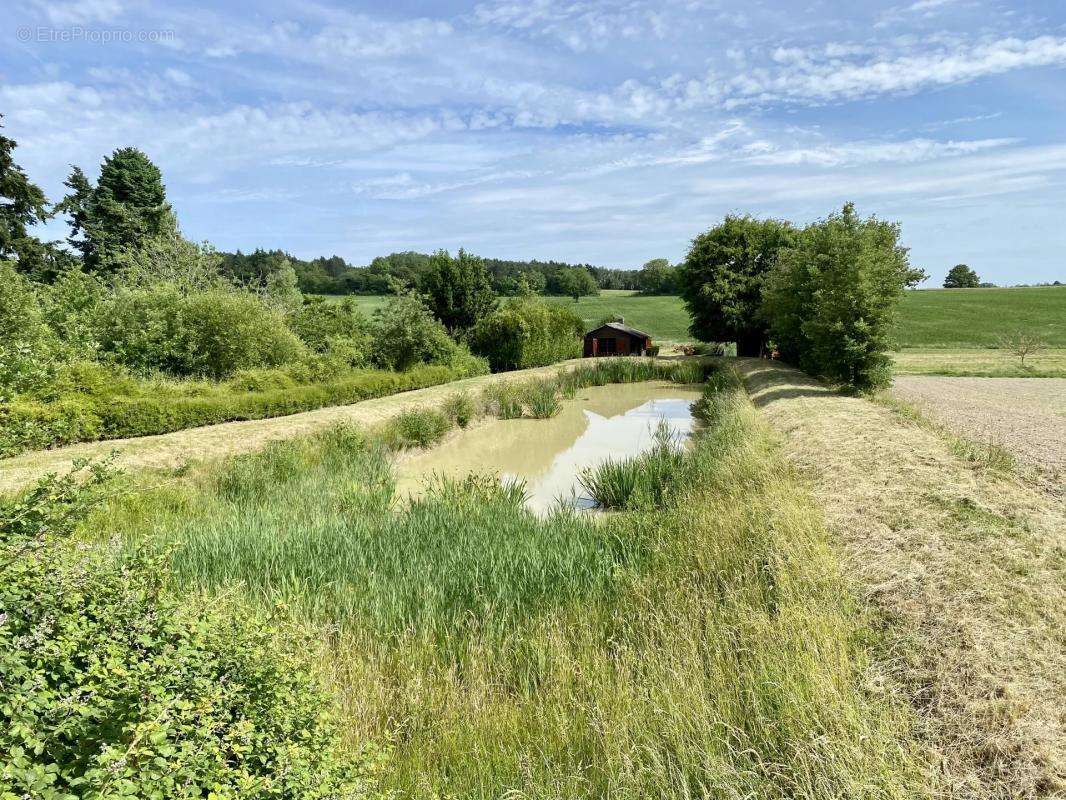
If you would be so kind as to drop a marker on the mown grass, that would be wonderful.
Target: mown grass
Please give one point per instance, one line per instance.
(708, 649)
(980, 363)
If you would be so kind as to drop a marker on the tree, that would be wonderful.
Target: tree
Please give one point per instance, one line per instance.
(22, 204)
(657, 277)
(527, 332)
(125, 208)
(832, 298)
(459, 290)
(1022, 344)
(405, 333)
(961, 277)
(721, 280)
(575, 282)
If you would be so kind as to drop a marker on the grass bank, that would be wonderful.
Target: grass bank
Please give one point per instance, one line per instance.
(87, 415)
(962, 560)
(706, 647)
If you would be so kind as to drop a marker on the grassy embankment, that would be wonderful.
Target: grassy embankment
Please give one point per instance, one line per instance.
(706, 647)
(963, 560)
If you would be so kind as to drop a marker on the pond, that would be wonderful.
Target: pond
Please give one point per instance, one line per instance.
(615, 421)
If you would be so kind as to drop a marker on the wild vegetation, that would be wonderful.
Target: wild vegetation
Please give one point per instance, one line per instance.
(708, 647)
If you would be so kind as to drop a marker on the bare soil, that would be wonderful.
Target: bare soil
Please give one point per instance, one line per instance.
(963, 571)
(218, 441)
(1025, 416)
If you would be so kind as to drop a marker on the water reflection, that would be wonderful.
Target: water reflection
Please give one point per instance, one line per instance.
(603, 421)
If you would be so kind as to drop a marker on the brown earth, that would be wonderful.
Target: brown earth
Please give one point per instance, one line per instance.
(962, 570)
(1025, 416)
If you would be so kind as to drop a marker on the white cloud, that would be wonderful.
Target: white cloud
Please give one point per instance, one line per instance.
(813, 79)
(81, 12)
(856, 153)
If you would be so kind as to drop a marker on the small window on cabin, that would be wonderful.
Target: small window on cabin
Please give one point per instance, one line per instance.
(608, 346)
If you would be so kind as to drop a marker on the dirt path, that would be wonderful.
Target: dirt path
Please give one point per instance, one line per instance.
(963, 570)
(217, 441)
(1025, 416)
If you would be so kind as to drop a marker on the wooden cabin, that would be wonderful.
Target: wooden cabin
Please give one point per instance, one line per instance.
(616, 339)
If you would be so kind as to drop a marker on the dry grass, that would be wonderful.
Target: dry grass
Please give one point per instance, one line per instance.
(962, 565)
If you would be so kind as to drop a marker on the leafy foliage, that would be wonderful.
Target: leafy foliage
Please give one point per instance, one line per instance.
(405, 333)
(833, 298)
(27, 345)
(458, 290)
(722, 278)
(112, 688)
(210, 333)
(961, 277)
(575, 282)
(527, 332)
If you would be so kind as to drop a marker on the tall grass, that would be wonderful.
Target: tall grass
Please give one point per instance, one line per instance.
(707, 650)
(640, 482)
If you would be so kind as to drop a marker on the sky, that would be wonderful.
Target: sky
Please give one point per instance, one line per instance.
(607, 132)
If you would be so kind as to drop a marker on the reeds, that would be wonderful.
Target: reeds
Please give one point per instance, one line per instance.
(641, 482)
(710, 649)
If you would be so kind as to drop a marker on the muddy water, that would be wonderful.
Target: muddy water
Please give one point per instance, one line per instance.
(549, 454)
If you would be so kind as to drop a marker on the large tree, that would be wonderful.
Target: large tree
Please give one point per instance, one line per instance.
(575, 282)
(721, 280)
(832, 298)
(657, 277)
(459, 289)
(961, 277)
(22, 204)
(125, 209)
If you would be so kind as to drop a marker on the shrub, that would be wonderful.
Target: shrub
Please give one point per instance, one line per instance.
(212, 333)
(69, 307)
(333, 328)
(27, 346)
(31, 425)
(527, 332)
(831, 302)
(227, 331)
(112, 688)
(415, 428)
(405, 334)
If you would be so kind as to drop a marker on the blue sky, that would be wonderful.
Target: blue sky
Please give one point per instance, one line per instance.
(607, 132)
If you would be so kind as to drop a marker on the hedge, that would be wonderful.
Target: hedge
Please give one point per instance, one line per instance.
(29, 425)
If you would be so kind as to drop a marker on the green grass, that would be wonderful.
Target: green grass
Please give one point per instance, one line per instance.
(943, 318)
(708, 649)
(975, 318)
(979, 362)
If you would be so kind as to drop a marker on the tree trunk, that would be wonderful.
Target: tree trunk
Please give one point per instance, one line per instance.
(749, 344)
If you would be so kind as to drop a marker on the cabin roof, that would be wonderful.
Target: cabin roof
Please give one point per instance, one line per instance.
(620, 326)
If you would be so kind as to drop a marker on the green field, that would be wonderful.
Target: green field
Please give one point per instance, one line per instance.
(981, 317)
(929, 318)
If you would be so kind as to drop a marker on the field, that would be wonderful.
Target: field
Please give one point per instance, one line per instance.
(974, 318)
(955, 319)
